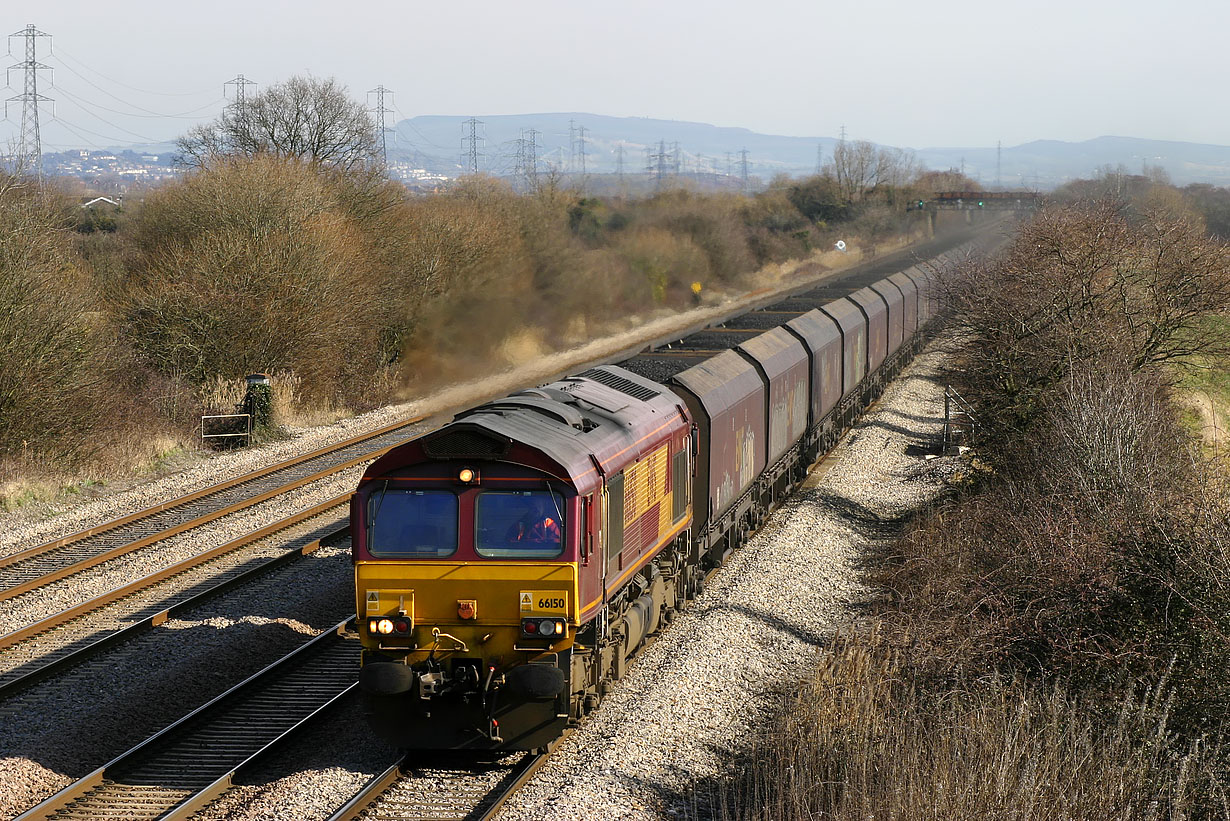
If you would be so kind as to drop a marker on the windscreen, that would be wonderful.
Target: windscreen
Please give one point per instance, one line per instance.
(521, 524)
(411, 523)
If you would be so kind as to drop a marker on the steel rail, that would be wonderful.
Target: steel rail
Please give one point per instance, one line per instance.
(182, 768)
(13, 565)
(58, 660)
(384, 798)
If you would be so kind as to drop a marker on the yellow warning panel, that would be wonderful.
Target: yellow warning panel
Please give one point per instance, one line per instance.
(548, 602)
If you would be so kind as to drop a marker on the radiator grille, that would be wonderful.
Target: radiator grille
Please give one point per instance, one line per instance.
(621, 384)
(466, 444)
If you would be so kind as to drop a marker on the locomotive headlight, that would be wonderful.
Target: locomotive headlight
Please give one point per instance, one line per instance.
(467, 476)
(384, 627)
(546, 628)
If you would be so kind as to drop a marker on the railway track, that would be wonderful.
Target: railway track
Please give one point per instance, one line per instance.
(58, 642)
(183, 768)
(411, 790)
(38, 566)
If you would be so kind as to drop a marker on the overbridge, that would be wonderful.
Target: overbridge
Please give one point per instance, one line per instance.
(981, 201)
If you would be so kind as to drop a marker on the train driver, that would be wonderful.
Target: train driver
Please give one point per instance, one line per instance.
(537, 525)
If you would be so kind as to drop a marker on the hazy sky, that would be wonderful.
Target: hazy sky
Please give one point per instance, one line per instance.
(917, 74)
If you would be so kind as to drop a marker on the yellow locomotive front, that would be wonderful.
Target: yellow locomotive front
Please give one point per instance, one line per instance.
(466, 588)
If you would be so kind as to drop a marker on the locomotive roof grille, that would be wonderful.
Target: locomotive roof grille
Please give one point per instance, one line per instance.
(621, 384)
(466, 444)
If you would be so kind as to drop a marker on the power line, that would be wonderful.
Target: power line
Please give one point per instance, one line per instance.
(82, 104)
(743, 165)
(74, 128)
(59, 52)
(181, 116)
(406, 121)
(30, 149)
(148, 112)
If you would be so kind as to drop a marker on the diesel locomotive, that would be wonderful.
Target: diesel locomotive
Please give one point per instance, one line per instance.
(509, 564)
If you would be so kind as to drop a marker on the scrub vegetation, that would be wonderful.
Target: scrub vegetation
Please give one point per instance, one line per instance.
(1049, 638)
(284, 249)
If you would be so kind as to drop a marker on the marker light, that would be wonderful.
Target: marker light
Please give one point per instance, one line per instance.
(384, 627)
(547, 628)
(401, 626)
(529, 626)
(467, 476)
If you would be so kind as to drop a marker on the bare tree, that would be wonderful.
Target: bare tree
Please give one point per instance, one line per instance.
(304, 118)
(1083, 283)
(860, 167)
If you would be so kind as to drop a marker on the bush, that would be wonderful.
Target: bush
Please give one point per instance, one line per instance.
(57, 345)
(250, 266)
(865, 739)
(1083, 283)
(819, 199)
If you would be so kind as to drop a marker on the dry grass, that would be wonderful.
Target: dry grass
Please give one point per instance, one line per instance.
(864, 740)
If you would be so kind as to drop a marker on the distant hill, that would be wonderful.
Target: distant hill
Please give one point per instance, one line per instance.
(435, 143)
(437, 140)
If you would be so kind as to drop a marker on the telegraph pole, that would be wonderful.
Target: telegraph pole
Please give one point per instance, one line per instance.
(469, 157)
(581, 147)
(241, 98)
(999, 153)
(527, 157)
(380, 110)
(532, 158)
(658, 161)
(619, 161)
(30, 147)
(239, 101)
(572, 145)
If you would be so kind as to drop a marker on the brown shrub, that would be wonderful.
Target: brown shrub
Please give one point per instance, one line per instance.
(865, 739)
(58, 354)
(1082, 283)
(250, 266)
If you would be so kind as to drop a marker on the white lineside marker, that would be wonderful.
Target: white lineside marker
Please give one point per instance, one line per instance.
(840, 245)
